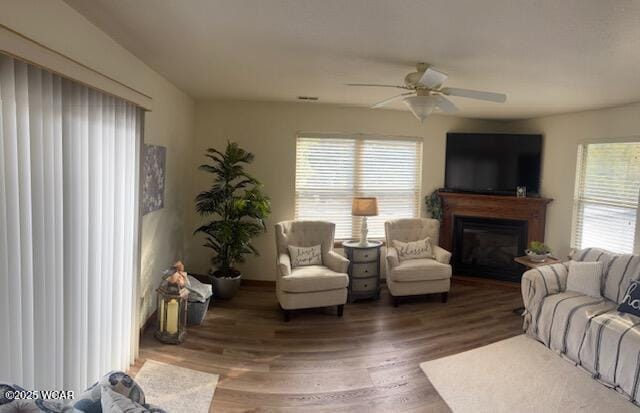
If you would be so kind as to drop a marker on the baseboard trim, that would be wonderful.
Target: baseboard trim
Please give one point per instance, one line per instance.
(259, 283)
(150, 321)
(456, 279)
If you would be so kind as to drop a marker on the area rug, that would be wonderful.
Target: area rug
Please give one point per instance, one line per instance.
(176, 389)
(519, 375)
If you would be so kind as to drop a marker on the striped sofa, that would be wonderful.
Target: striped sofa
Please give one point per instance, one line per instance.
(588, 331)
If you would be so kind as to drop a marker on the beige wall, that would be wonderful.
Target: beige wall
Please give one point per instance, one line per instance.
(562, 134)
(269, 130)
(56, 25)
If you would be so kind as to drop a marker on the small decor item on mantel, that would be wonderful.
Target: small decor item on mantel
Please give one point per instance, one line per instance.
(172, 307)
(238, 208)
(538, 251)
(521, 191)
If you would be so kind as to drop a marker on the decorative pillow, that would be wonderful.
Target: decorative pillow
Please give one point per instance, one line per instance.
(113, 402)
(585, 278)
(9, 405)
(414, 250)
(118, 381)
(631, 301)
(301, 256)
(4, 388)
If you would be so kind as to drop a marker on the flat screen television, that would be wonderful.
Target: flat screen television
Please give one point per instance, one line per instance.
(492, 163)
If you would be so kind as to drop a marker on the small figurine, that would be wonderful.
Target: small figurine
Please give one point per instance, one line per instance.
(178, 275)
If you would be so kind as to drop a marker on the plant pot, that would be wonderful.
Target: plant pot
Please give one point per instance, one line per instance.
(224, 288)
(537, 257)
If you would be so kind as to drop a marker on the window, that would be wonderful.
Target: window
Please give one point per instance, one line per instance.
(332, 169)
(606, 196)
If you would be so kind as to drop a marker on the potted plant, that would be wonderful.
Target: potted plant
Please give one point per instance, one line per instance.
(538, 251)
(434, 205)
(238, 209)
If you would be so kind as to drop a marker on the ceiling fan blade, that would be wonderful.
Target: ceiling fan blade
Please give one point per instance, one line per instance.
(375, 85)
(475, 94)
(432, 78)
(389, 100)
(446, 105)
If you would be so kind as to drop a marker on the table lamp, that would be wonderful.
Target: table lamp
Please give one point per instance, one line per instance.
(364, 207)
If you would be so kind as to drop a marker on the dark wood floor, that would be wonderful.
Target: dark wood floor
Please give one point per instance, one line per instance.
(367, 361)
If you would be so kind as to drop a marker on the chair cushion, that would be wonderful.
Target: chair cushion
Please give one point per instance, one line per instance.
(312, 278)
(423, 269)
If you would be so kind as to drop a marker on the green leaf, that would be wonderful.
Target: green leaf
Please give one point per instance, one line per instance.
(238, 206)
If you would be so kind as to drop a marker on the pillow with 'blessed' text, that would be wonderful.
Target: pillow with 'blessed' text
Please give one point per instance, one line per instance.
(414, 250)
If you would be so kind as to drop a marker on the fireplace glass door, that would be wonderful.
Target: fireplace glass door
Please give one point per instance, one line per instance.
(486, 247)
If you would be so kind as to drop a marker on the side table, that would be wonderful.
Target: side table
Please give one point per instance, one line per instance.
(364, 269)
(524, 260)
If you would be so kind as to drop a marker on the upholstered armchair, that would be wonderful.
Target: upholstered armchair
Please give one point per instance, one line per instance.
(416, 276)
(309, 286)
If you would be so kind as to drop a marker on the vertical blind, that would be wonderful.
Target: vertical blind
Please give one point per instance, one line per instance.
(331, 170)
(606, 196)
(68, 229)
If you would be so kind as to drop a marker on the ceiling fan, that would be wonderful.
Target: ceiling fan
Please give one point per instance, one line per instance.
(425, 92)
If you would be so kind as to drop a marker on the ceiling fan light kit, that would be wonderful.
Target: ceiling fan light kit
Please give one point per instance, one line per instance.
(425, 93)
(421, 106)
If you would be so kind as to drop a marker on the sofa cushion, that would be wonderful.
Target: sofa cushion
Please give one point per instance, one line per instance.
(631, 301)
(585, 278)
(89, 400)
(313, 278)
(610, 349)
(36, 406)
(593, 334)
(423, 269)
(113, 402)
(562, 318)
(619, 270)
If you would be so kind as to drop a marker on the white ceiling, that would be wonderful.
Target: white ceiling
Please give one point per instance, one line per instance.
(549, 56)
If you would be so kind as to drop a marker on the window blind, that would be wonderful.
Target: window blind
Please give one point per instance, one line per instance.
(331, 170)
(606, 197)
(69, 158)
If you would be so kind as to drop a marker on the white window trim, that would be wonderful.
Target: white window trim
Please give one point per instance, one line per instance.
(578, 179)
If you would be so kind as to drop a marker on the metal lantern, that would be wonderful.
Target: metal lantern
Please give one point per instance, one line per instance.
(172, 313)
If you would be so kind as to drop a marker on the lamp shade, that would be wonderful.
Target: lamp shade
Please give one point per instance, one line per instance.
(421, 106)
(364, 207)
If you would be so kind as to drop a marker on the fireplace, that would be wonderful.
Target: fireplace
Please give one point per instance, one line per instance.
(497, 227)
(486, 247)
